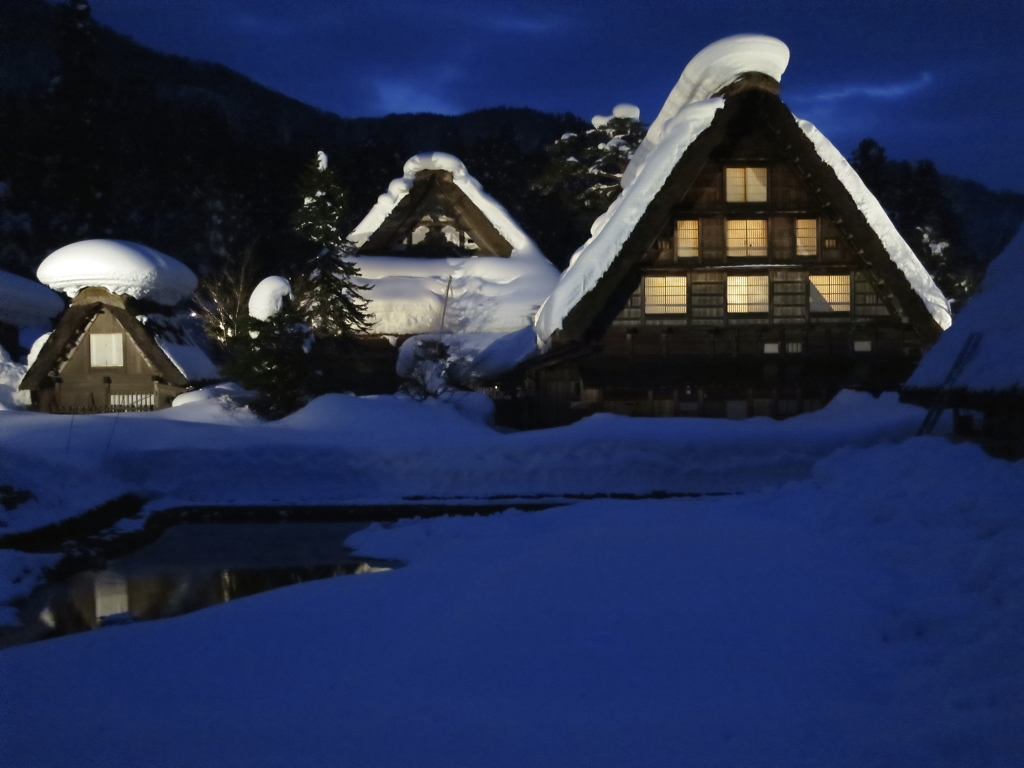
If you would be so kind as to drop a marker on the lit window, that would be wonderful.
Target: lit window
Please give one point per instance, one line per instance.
(830, 293)
(746, 185)
(806, 237)
(665, 295)
(771, 348)
(794, 347)
(862, 346)
(106, 350)
(746, 237)
(747, 293)
(686, 238)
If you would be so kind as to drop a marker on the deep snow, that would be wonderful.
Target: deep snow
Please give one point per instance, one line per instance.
(869, 615)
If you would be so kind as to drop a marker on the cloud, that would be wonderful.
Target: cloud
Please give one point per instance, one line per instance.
(885, 92)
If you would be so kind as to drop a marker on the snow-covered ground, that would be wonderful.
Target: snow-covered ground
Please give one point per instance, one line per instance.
(341, 449)
(868, 614)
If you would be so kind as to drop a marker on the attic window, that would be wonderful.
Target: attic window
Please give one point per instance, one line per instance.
(746, 237)
(830, 293)
(746, 185)
(687, 238)
(806, 237)
(665, 295)
(106, 350)
(747, 293)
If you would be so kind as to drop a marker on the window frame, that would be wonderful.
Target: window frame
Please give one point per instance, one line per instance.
(767, 304)
(749, 173)
(812, 287)
(115, 351)
(674, 306)
(746, 238)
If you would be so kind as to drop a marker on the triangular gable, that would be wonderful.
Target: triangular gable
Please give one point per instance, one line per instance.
(604, 272)
(438, 186)
(75, 323)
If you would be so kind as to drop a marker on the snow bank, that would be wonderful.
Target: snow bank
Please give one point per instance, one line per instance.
(610, 231)
(344, 449)
(485, 294)
(11, 374)
(900, 253)
(998, 363)
(20, 573)
(25, 302)
(473, 356)
(120, 267)
(522, 245)
(868, 616)
(715, 67)
(268, 297)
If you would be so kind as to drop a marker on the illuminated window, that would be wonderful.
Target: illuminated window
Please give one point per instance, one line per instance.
(794, 347)
(806, 237)
(106, 350)
(830, 293)
(746, 237)
(862, 346)
(771, 348)
(746, 185)
(665, 295)
(747, 293)
(686, 238)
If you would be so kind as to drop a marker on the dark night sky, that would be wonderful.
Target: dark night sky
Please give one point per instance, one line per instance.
(938, 79)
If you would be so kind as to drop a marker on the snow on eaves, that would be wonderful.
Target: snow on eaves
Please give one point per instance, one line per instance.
(182, 339)
(119, 266)
(478, 294)
(714, 68)
(998, 363)
(24, 302)
(522, 245)
(610, 230)
(900, 253)
(192, 361)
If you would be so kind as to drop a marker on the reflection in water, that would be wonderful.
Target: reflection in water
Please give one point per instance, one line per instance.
(101, 598)
(188, 568)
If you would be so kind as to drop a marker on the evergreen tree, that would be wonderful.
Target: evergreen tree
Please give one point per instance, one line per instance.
(272, 357)
(327, 296)
(585, 169)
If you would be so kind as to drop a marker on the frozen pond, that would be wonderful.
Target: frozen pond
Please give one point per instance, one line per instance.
(191, 567)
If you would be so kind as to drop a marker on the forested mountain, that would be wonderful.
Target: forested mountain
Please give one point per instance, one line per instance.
(102, 137)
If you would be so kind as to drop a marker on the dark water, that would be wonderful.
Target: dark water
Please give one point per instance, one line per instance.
(191, 567)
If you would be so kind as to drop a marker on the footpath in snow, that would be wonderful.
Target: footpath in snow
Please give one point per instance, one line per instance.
(867, 615)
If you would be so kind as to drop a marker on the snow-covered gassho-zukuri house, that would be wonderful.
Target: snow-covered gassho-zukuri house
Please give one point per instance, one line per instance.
(990, 381)
(446, 259)
(120, 346)
(744, 270)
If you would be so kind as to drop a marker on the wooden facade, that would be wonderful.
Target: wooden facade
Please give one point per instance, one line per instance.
(436, 220)
(101, 359)
(751, 286)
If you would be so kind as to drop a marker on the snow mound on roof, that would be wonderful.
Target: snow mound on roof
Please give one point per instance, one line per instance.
(714, 68)
(268, 297)
(610, 230)
(998, 362)
(119, 266)
(901, 254)
(24, 302)
(484, 294)
(522, 245)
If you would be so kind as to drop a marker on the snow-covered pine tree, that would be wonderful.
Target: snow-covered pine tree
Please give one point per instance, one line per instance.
(585, 168)
(272, 357)
(327, 295)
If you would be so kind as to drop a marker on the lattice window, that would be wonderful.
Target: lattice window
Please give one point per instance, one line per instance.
(106, 350)
(830, 293)
(133, 401)
(794, 347)
(665, 295)
(746, 185)
(707, 295)
(687, 238)
(632, 313)
(747, 293)
(789, 294)
(746, 237)
(806, 237)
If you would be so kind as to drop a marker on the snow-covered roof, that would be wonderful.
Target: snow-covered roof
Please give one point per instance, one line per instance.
(508, 228)
(688, 112)
(119, 266)
(268, 297)
(181, 338)
(485, 295)
(24, 302)
(995, 312)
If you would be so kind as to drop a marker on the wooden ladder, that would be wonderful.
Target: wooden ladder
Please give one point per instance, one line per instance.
(942, 395)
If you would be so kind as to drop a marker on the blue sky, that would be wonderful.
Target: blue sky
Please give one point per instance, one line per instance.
(938, 79)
